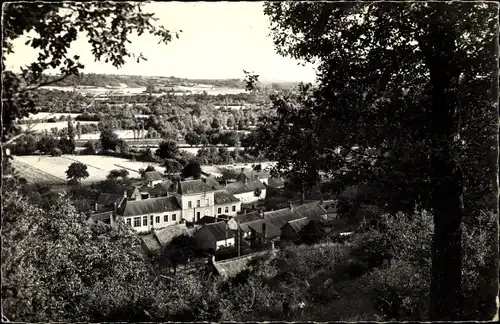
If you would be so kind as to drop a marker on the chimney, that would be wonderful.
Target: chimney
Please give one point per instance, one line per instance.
(246, 180)
(114, 206)
(95, 207)
(264, 230)
(242, 170)
(291, 206)
(261, 212)
(124, 193)
(244, 211)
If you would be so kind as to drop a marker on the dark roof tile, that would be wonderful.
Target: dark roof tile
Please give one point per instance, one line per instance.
(218, 230)
(222, 197)
(242, 187)
(150, 206)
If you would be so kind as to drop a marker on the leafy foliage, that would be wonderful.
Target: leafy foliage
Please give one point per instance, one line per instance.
(77, 171)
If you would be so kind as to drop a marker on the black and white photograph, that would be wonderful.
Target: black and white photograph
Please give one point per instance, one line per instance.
(250, 161)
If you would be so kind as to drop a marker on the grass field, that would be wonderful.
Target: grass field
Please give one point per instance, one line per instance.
(52, 169)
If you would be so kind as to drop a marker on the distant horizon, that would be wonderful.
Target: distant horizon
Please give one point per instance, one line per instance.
(184, 78)
(218, 41)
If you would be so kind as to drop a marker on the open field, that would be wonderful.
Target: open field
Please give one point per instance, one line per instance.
(138, 90)
(40, 126)
(52, 169)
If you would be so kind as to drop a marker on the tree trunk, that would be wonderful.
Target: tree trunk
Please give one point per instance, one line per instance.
(446, 179)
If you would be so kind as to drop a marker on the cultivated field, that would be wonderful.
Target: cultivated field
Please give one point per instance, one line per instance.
(52, 169)
(41, 126)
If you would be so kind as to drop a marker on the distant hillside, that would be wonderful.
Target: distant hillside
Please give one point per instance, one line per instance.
(114, 80)
(132, 81)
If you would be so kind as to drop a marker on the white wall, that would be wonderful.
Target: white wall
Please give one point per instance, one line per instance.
(155, 225)
(228, 242)
(206, 205)
(249, 197)
(230, 209)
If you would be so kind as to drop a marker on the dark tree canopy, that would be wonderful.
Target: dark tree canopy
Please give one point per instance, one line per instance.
(404, 103)
(192, 169)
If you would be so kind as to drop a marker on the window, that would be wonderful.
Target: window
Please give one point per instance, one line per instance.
(189, 204)
(137, 222)
(198, 216)
(145, 221)
(226, 210)
(234, 208)
(129, 221)
(198, 203)
(219, 210)
(174, 217)
(208, 202)
(157, 219)
(165, 218)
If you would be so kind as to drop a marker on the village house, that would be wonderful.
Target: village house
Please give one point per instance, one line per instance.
(239, 222)
(226, 203)
(274, 182)
(247, 175)
(211, 237)
(107, 202)
(148, 214)
(196, 199)
(151, 178)
(247, 191)
(291, 230)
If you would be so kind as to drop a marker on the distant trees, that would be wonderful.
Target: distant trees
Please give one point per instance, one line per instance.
(109, 139)
(47, 144)
(118, 173)
(172, 166)
(167, 150)
(192, 169)
(77, 171)
(192, 138)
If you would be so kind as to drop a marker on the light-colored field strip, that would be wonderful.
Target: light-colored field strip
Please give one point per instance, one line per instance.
(35, 175)
(89, 165)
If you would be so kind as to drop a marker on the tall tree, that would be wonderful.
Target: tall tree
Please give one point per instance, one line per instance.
(168, 150)
(77, 171)
(404, 103)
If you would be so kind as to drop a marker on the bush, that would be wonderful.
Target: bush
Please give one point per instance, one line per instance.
(56, 152)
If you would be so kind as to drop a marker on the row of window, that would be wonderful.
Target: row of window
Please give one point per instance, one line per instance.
(137, 220)
(226, 209)
(198, 203)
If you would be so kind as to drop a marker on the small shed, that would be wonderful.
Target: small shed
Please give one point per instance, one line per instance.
(214, 236)
(290, 231)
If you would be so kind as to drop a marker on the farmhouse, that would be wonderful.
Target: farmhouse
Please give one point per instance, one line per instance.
(213, 236)
(107, 202)
(240, 221)
(148, 214)
(226, 203)
(152, 178)
(196, 199)
(246, 175)
(246, 191)
(290, 231)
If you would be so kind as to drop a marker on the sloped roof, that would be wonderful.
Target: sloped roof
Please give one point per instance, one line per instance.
(248, 217)
(152, 176)
(231, 267)
(272, 230)
(251, 174)
(151, 243)
(298, 224)
(165, 235)
(159, 188)
(222, 197)
(281, 216)
(150, 206)
(106, 199)
(312, 210)
(212, 183)
(193, 186)
(130, 190)
(242, 187)
(218, 230)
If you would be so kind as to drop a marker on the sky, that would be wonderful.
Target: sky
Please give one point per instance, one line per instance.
(219, 40)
